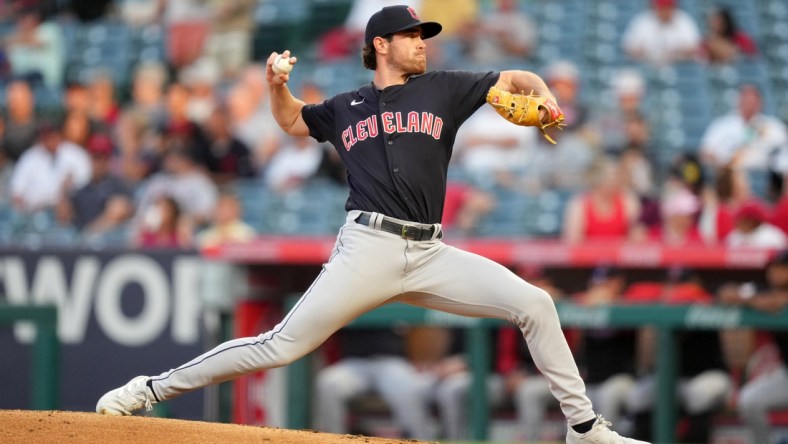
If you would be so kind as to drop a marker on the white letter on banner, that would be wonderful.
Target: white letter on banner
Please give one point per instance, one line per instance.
(186, 279)
(152, 320)
(73, 304)
(16, 293)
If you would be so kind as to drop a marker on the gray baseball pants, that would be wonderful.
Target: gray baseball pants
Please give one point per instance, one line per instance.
(369, 268)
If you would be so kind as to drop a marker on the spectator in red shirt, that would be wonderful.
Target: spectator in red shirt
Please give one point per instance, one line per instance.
(724, 42)
(607, 211)
(464, 206)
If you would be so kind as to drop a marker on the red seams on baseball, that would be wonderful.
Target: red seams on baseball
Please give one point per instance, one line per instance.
(555, 111)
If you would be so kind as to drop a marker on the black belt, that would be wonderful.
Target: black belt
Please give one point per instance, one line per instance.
(411, 232)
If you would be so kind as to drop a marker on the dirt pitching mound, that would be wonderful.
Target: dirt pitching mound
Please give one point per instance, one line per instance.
(25, 426)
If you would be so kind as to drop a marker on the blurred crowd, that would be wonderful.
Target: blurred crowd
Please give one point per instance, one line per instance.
(153, 161)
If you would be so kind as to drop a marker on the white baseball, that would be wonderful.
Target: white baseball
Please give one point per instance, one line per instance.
(281, 65)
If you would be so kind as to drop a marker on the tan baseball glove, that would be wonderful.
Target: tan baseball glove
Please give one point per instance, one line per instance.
(523, 109)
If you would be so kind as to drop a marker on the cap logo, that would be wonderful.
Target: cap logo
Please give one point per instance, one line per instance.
(413, 13)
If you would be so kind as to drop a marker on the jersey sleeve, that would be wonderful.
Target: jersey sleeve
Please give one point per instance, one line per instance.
(320, 120)
(469, 91)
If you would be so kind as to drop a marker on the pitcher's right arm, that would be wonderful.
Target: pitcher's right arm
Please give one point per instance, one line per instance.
(285, 108)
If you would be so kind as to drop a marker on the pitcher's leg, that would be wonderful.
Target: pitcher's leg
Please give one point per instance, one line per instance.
(463, 283)
(350, 284)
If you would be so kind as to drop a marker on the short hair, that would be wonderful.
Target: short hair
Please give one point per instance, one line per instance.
(368, 54)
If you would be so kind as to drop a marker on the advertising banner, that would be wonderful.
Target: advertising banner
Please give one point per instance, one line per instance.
(120, 314)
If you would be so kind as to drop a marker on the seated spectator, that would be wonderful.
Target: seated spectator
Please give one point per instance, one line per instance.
(76, 98)
(163, 226)
(47, 171)
(139, 122)
(724, 41)
(731, 190)
(453, 15)
(177, 123)
(612, 126)
(505, 34)
(679, 210)
(492, 150)
(229, 42)
(296, 160)
(76, 128)
(250, 115)
(607, 211)
(201, 78)
(187, 24)
(147, 94)
(745, 138)
(463, 207)
(372, 360)
(662, 35)
(216, 149)
(293, 164)
(563, 165)
(20, 126)
(345, 40)
(140, 13)
(704, 384)
(105, 202)
(227, 225)
(752, 230)
(36, 49)
(768, 391)
(104, 110)
(635, 155)
(183, 180)
(563, 78)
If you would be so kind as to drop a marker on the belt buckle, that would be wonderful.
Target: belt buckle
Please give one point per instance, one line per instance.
(411, 232)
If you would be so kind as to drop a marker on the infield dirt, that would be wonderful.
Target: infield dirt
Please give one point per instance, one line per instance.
(25, 426)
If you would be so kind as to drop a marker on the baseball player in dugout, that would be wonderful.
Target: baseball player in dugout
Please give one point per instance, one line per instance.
(395, 137)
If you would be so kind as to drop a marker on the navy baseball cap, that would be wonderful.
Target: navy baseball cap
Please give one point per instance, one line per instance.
(393, 19)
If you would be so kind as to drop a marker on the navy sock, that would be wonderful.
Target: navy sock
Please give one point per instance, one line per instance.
(584, 427)
(149, 383)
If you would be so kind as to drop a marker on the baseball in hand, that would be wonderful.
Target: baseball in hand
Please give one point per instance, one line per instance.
(281, 65)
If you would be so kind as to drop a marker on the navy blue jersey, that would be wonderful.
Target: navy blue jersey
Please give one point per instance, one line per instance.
(396, 143)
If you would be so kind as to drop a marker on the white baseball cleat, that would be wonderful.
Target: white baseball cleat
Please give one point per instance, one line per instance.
(600, 433)
(124, 401)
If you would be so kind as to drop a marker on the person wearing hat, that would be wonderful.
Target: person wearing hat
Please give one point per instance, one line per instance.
(752, 230)
(395, 135)
(105, 202)
(662, 35)
(767, 391)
